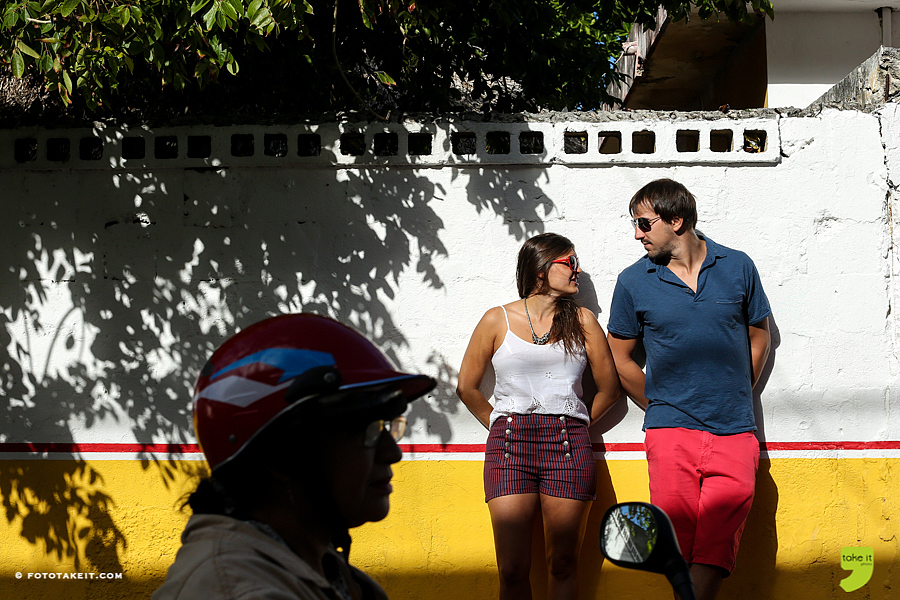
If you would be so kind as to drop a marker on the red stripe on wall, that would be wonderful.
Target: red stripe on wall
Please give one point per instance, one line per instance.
(73, 448)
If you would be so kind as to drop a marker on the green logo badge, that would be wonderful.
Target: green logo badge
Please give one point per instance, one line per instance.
(861, 562)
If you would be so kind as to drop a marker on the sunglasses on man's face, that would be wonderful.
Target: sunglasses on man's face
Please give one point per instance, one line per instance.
(644, 224)
(395, 427)
(570, 261)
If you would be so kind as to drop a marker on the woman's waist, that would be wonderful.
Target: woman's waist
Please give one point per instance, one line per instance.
(575, 409)
(540, 422)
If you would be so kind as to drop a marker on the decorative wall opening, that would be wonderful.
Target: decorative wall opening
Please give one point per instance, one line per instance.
(687, 140)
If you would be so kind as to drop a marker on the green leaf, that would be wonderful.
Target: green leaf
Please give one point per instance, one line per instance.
(67, 81)
(385, 78)
(253, 8)
(367, 13)
(18, 65)
(197, 5)
(261, 18)
(237, 5)
(210, 17)
(26, 49)
(68, 6)
(228, 10)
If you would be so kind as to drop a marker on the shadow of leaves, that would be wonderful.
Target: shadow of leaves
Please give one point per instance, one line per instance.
(121, 283)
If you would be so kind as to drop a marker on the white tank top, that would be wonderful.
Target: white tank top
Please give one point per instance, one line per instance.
(537, 379)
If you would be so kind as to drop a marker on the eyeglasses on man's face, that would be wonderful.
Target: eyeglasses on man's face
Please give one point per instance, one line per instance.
(570, 261)
(644, 224)
(395, 427)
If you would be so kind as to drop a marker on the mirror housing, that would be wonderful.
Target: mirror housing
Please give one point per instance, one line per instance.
(638, 535)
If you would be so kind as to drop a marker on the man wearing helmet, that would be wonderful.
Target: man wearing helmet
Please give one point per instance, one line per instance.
(298, 418)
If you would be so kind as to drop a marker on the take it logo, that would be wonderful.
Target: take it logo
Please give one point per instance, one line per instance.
(861, 562)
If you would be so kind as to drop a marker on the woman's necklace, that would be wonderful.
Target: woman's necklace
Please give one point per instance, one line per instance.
(540, 341)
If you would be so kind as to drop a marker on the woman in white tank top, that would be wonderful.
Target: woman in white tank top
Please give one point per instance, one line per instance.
(538, 455)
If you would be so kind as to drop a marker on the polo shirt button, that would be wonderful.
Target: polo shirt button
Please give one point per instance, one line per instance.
(565, 442)
(506, 455)
(508, 431)
(568, 455)
(563, 431)
(509, 419)
(562, 418)
(507, 444)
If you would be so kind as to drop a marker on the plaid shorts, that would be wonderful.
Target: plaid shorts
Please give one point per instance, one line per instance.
(547, 454)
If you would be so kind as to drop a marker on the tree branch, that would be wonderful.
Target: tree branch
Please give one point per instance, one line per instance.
(341, 70)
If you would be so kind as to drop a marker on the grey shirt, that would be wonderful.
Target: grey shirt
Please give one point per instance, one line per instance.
(222, 558)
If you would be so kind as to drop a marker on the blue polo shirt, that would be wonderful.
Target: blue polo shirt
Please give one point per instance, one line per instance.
(699, 371)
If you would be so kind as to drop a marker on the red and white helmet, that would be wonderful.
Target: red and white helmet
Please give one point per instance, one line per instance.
(280, 363)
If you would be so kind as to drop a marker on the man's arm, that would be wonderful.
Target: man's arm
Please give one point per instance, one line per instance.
(630, 373)
(760, 341)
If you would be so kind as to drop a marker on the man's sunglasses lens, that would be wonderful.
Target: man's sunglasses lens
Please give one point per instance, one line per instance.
(644, 224)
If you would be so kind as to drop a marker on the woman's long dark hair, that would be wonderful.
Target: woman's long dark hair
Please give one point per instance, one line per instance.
(535, 259)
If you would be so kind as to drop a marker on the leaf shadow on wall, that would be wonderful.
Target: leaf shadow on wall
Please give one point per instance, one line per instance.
(122, 284)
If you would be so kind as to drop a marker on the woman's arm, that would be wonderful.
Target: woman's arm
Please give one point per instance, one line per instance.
(603, 367)
(475, 363)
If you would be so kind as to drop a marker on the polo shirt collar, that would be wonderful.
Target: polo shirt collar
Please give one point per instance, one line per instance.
(713, 252)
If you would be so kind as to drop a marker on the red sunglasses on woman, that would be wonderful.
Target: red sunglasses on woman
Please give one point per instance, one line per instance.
(571, 261)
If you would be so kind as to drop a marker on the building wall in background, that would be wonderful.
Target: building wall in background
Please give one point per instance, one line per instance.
(134, 253)
(808, 52)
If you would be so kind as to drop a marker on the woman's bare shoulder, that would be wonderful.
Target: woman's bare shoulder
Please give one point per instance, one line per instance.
(514, 306)
(493, 317)
(588, 319)
(496, 318)
(586, 314)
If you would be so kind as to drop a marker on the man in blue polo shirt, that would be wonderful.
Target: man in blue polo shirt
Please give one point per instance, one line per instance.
(701, 313)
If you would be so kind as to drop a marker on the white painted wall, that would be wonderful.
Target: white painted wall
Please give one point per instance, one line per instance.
(808, 52)
(117, 281)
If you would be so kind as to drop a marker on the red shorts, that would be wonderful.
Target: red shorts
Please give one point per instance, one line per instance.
(547, 454)
(705, 483)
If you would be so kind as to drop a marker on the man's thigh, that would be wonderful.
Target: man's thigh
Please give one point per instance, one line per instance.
(673, 462)
(727, 490)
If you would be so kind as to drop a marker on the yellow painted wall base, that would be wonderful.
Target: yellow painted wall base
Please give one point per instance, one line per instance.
(122, 517)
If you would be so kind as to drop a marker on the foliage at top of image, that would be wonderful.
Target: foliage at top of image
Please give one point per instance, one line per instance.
(116, 57)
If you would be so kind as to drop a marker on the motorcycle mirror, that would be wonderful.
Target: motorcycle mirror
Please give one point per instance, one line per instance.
(637, 535)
